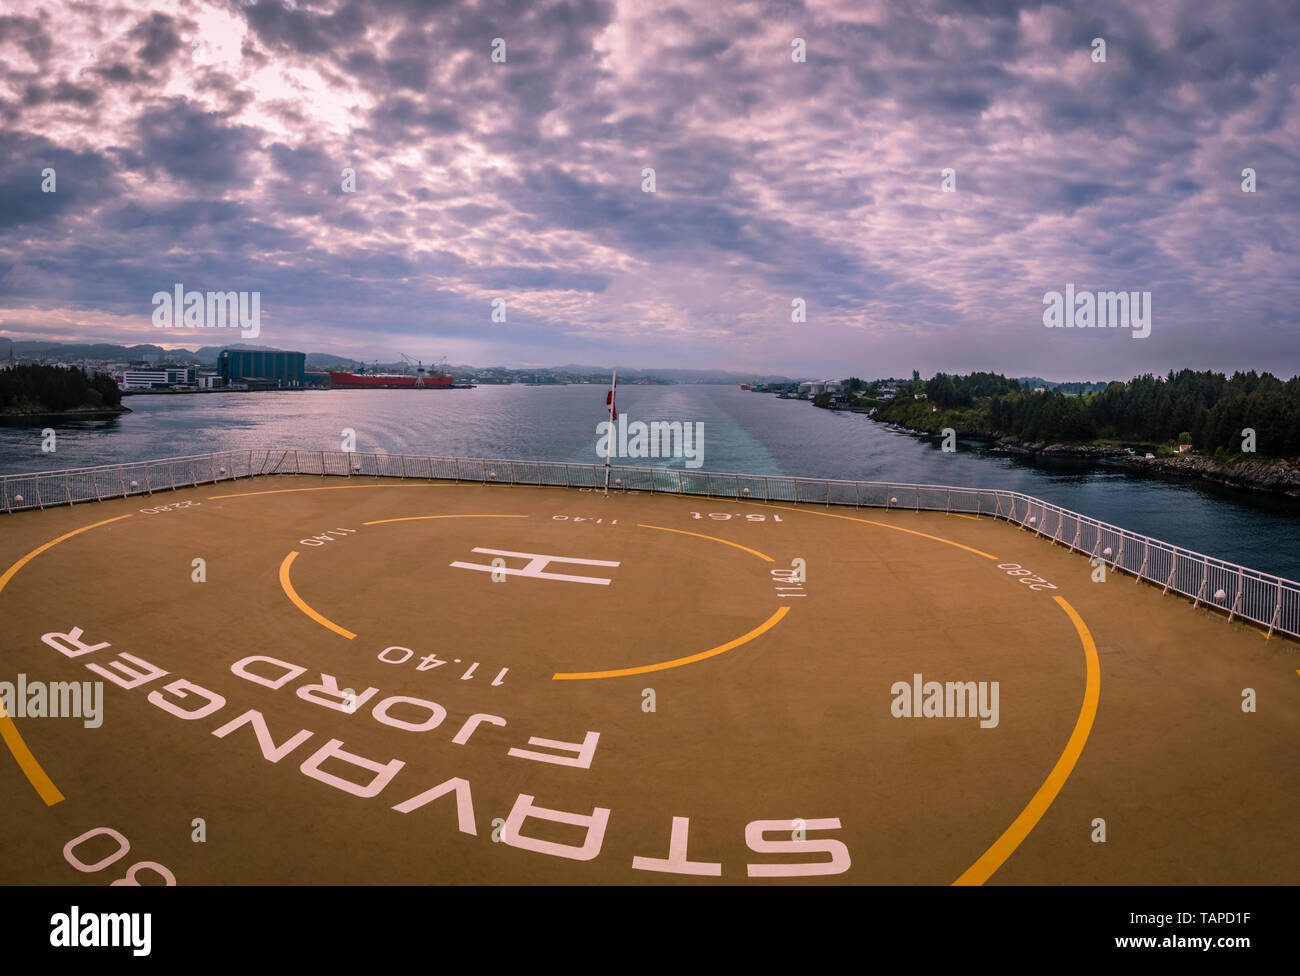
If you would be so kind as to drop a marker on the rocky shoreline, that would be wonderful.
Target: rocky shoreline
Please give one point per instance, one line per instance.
(77, 413)
(1275, 475)
(1256, 474)
(1272, 474)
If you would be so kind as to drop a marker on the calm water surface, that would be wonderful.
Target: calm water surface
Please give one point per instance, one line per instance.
(751, 433)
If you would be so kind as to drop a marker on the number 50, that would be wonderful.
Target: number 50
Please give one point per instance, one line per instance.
(124, 845)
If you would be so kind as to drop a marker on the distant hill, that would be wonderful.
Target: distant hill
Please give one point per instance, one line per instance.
(207, 356)
(676, 375)
(204, 355)
(1033, 382)
(100, 350)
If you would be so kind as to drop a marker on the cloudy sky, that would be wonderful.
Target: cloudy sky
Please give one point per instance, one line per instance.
(204, 143)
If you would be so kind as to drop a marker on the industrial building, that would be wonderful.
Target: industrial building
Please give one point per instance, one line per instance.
(262, 370)
(812, 388)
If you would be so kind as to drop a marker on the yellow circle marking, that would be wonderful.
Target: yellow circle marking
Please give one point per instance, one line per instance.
(1005, 846)
(1011, 838)
(27, 762)
(758, 631)
(417, 518)
(699, 535)
(287, 491)
(883, 525)
(8, 731)
(286, 583)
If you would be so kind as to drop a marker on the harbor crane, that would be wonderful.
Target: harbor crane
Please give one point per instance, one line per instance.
(419, 368)
(438, 370)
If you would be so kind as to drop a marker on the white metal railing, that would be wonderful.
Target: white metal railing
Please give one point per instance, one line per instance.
(1270, 601)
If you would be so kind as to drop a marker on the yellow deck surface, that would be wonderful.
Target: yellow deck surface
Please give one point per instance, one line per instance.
(767, 705)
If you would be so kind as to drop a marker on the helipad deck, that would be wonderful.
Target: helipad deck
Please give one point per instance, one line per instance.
(312, 679)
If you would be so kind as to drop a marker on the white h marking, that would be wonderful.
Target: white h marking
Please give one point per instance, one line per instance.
(536, 561)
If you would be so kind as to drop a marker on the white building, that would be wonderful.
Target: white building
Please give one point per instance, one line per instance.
(813, 387)
(148, 379)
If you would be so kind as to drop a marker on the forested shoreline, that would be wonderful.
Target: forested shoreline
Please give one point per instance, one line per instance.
(1214, 413)
(1244, 430)
(32, 389)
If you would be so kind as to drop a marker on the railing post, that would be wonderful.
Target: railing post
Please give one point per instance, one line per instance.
(1173, 569)
(1277, 610)
(1236, 600)
(1200, 593)
(37, 484)
(121, 480)
(681, 490)
(568, 483)
(1146, 553)
(67, 487)
(171, 474)
(947, 509)
(148, 482)
(737, 486)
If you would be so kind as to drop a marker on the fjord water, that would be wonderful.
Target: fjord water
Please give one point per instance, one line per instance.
(751, 433)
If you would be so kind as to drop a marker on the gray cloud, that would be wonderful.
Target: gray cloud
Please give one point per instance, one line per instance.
(207, 143)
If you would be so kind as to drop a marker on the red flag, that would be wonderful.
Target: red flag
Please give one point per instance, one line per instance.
(609, 402)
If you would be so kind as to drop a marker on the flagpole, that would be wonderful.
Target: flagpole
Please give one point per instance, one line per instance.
(608, 454)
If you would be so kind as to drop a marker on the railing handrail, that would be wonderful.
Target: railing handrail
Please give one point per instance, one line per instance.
(1005, 492)
(128, 464)
(504, 470)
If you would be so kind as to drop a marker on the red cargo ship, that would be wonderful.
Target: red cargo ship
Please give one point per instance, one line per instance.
(388, 381)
